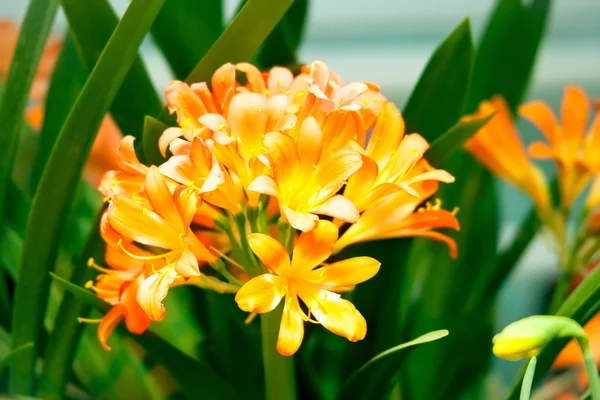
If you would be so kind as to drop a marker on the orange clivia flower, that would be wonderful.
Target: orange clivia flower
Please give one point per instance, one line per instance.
(398, 215)
(303, 278)
(497, 146)
(306, 177)
(576, 154)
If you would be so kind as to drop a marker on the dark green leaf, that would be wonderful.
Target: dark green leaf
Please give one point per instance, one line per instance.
(184, 31)
(450, 142)
(376, 379)
(438, 100)
(507, 52)
(82, 294)
(58, 183)
(281, 45)
(65, 336)
(37, 24)
(242, 38)
(68, 79)
(92, 22)
(153, 128)
(5, 361)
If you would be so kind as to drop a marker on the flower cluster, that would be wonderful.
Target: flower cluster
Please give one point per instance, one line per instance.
(267, 175)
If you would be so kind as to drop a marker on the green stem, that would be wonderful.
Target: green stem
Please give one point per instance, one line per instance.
(590, 368)
(560, 293)
(252, 266)
(528, 379)
(280, 375)
(286, 235)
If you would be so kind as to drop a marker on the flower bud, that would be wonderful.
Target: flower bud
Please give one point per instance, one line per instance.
(526, 338)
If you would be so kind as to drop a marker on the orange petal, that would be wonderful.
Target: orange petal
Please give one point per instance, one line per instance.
(333, 171)
(167, 137)
(161, 198)
(575, 115)
(279, 80)
(223, 85)
(291, 330)
(152, 292)
(347, 272)
(542, 117)
(342, 318)
(135, 318)
(247, 121)
(361, 183)
(264, 184)
(109, 323)
(315, 246)
(261, 294)
(186, 202)
(128, 159)
(338, 207)
(347, 93)
(310, 142)
(255, 79)
(186, 265)
(541, 151)
(140, 224)
(189, 107)
(302, 221)
(387, 134)
(269, 251)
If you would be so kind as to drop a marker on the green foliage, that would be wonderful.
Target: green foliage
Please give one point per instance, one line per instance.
(58, 182)
(153, 129)
(376, 379)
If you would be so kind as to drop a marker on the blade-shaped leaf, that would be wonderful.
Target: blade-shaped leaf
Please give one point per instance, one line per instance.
(91, 23)
(37, 24)
(451, 141)
(376, 379)
(68, 79)
(58, 183)
(508, 49)
(82, 294)
(185, 29)
(242, 38)
(438, 100)
(153, 128)
(6, 360)
(281, 45)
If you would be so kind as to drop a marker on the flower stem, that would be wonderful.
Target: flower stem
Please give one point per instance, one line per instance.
(528, 379)
(280, 375)
(590, 368)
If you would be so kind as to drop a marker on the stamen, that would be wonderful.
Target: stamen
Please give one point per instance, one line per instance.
(455, 210)
(90, 285)
(89, 320)
(287, 92)
(227, 258)
(92, 264)
(222, 127)
(250, 318)
(143, 258)
(106, 199)
(267, 92)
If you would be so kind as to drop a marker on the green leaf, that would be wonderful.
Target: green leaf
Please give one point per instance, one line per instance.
(153, 129)
(82, 294)
(58, 183)
(451, 141)
(376, 379)
(36, 28)
(242, 38)
(6, 360)
(438, 100)
(581, 306)
(68, 79)
(281, 45)
(528, 381)
(63, 340)
(184, 31)
(508, 49)
(92, 23)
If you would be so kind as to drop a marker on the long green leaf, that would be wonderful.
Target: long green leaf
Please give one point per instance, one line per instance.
(184, 31)
(447, 144)
(281, 45)
(508, 49)
(376, 379)
(68, 79)
(59, 180)
(5, 361)
(92, 22)
(242, 38)
(37, 24)
(580, 306)
(438, 100)
(63, 340)
(153, 128)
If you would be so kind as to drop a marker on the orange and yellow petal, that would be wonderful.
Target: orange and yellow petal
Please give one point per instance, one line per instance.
(261, 294)
(291, 330)
(314, 247)
(342, 318)
(109, 323)
(152, 292)
(269, 251)
(346, 272)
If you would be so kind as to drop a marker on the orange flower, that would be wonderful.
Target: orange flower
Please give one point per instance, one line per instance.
(389, 162)
(130, 176)
(497, 146)
(303, 279)
(397, 216)
(306, 179)
(576, 154)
